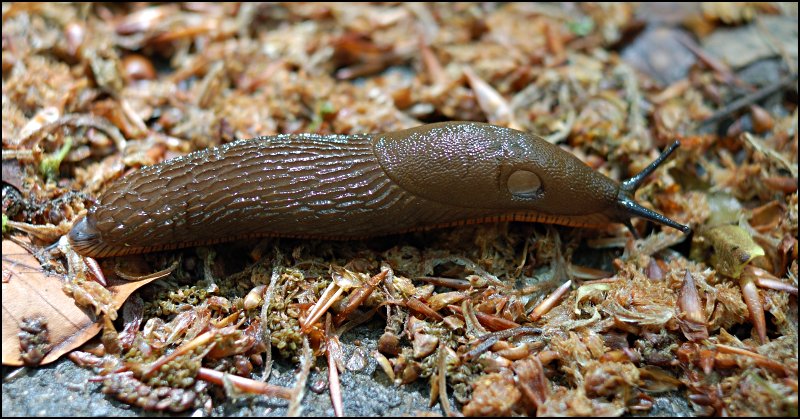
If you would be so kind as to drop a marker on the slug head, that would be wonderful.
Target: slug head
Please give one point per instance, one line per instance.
(629, 208)
(481, 166)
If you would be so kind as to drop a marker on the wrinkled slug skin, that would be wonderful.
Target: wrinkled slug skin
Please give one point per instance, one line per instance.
(345, 187)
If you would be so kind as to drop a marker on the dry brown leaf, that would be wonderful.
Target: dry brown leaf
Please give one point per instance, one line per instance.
(30, 294)
(728, 248)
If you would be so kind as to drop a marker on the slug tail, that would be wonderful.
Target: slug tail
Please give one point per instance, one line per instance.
(632, 209)
(85, 239)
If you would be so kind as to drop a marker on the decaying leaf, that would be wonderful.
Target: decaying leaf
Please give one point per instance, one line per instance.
(40, 322)
(747, 44)
(728, 248)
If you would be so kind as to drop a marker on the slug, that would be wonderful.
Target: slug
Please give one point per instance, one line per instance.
(355, 186)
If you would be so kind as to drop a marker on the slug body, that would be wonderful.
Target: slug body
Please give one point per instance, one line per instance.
(353, 186)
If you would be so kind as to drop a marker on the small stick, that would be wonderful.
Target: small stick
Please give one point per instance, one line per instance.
(334, 387)
(244, 384)
(748, 100)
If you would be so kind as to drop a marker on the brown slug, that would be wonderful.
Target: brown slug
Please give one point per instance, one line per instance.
(355, 186)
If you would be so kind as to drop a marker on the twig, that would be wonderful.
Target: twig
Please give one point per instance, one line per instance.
(458, 284)
(486, 341)
(306, 360)
(549, 302)
(268, 295)
(448, 411)
(748, 100)
(716, 65)
(334, 386)
(244, 384)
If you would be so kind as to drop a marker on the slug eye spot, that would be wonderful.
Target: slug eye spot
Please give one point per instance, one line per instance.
(524, 184)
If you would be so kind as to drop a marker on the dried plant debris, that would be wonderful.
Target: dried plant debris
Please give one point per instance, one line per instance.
(44, 317)
(727, 248)
(497, 319)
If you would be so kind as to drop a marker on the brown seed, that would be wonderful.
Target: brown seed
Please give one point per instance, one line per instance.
(138, 67)
(693, 322)
(752, 298)
(762, 120)
(74, 34)
(654, 271)
(254, 298)
(424, 345)
(389, 344)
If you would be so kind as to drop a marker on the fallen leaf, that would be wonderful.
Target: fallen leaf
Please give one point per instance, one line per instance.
(728, 248)
(744, 45)
(661, 54)
(33, 297)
